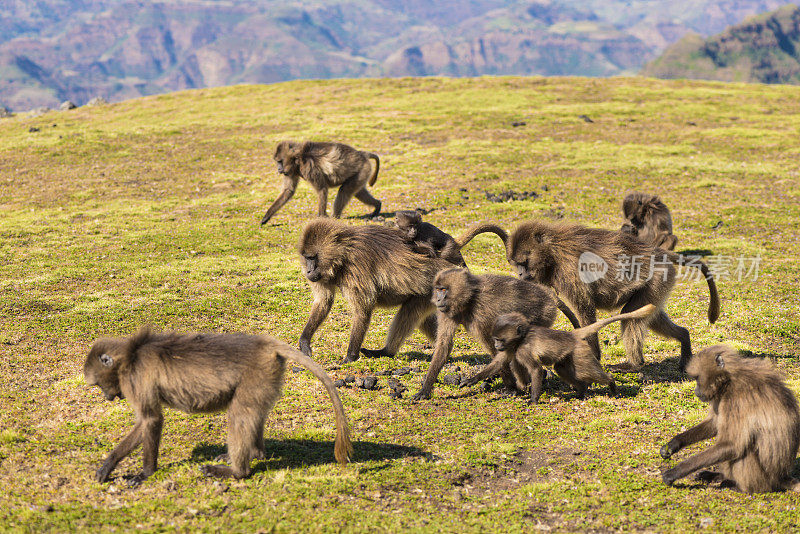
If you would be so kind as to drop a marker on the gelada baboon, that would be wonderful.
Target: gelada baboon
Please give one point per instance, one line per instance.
(593, 269)
(754, 417)
(373, 266)
(200, 373)
(325, 165)
(571, 356)
(462, 298)
(427, 239)
(649, 219)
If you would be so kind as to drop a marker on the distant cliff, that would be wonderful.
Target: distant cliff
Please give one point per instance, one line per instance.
(764, 48)
(53, 50)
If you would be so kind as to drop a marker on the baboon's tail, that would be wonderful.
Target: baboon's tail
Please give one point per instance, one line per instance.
(567, 311)
(713, 305)
(374, 177)
(481, 228)
(595, 327)
(343, 447)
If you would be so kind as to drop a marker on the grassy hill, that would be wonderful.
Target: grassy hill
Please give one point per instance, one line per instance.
(147, 212)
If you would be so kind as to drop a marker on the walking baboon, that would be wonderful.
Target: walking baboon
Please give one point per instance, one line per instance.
(754, 417)
(200, 373)
(462, 298)
(649, 219)
(594, 269)
(373, 266)
(325, 165)
(427, 239)
(572, 358)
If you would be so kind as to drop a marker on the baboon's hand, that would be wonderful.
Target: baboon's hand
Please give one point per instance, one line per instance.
(421, 395)
(101, 475)
(669, 477)
(668, 450)
(136, 480)
(467, 382)
(265, 219)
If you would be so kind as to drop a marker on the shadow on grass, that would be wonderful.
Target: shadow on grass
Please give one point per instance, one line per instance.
(477, 358)
(695, 252)
(666, 370)
(294, 453)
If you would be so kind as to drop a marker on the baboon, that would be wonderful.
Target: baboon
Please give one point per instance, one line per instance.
(325, 165)
(200, 373)
(462, 298)
(373, 266)
(649, 219)
(592, 269)
(754, 417)
(427, 239)
(572, 358)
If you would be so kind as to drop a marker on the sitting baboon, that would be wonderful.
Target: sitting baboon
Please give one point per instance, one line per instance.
(594, 269)
(200, 373)
(427, 239)
(572, 358)
(325, 165)
(373, 266)
(649, 219)
(754, 417)
(462, 298)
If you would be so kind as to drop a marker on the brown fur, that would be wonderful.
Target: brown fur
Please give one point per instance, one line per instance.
(200, 373)
(325, 165)
(462, 298)
(549, 254)
(373, 266)
(426, 239)
(649, 219)
(572, 358)
(754, 417)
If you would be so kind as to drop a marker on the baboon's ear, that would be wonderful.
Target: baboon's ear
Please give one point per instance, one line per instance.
(720, 361)
(106, 360)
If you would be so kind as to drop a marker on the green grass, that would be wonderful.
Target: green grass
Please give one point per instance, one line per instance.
(147, 212)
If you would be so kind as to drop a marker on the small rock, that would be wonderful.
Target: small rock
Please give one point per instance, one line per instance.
(359, 382)
(585, 118)
(67, 105)
(97, 101)
(297, 369)
(402, 371)
(220, 487)
(387, 372)
(33, 129)
(349, 379)
(35, 112)
(5, 112)
(416, 369)
(339, 383)
(706, 522)
(395, 394)
(462, 189)
(370, 382)
(451, 380)
(518, 123)
(396, 385)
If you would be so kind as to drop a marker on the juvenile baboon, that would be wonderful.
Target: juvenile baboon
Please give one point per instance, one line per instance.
(754, 417)
(462, 298)
(325, 165)
(427, 239)
(200, 373)
(373, 266)
(594, 269)
(649, 219)
(572, 358)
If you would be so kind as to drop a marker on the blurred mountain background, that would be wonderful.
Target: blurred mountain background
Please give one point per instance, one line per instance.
(54, 50)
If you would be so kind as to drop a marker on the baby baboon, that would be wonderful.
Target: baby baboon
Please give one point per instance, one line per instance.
(427, 239)
(594, 269)
(200, 373)
(533, 346)
(754, 417)
(649, 219)
(462, 298)
(325, 165)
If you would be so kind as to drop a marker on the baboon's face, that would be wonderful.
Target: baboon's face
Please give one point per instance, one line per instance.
(635, 209)
(442, 297)
(286, 158)
(508, 331)
(707, 367)
(311, 266)
(526, 266)
(101, 369)
(408, 222)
